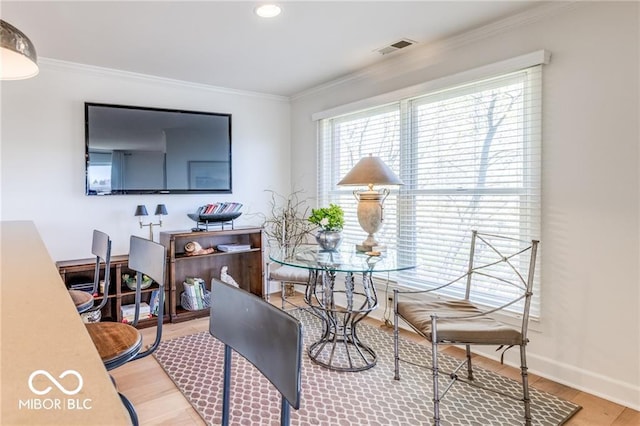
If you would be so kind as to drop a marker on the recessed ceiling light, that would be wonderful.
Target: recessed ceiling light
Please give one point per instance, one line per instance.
(268, 10)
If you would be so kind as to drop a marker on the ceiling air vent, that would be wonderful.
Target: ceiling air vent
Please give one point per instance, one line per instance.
(405, 42)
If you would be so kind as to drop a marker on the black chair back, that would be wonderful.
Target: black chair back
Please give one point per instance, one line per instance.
(266, 336)
(101, 249)
(148, 258)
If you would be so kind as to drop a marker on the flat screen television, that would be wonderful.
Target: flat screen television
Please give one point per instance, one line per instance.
(140, 150)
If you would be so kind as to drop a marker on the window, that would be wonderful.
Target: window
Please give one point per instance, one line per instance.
(469, 156)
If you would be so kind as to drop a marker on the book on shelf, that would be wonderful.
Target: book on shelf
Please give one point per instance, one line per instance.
(191, 296)
(234, 247)
(128, 312)
(195, 291)
(202, 290)
(198, 295)
(154, 302)
(219, 208)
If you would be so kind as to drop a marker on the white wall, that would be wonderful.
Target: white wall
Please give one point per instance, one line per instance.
(42, 154)
(589, 333)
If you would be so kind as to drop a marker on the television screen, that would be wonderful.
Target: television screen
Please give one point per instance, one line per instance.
(138, 150)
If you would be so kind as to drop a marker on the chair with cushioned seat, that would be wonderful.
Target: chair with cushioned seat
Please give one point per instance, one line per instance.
(285, 274)
(84, 300)
(267, 337)
(466, 321)
(119, 343)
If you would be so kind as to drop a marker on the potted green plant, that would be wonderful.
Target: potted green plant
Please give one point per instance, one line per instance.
(330, 221)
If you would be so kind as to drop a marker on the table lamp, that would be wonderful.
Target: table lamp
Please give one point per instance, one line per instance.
(370, 171)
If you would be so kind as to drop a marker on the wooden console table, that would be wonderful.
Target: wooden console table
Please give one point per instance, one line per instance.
(50, 370)
(245, 266)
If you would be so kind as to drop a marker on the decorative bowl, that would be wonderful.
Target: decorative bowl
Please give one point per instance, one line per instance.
(130, 281)
(221, 217)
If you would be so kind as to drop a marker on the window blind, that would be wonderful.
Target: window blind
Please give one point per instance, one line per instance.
(469, 156)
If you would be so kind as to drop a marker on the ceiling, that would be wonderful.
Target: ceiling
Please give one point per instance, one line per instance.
(225, 44)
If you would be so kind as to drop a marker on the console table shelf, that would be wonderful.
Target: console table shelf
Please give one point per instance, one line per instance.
(244, 266)
(82, 270)
(218, 253)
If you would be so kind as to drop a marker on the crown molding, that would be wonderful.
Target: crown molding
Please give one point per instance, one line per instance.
(66, 66)
(415, 58)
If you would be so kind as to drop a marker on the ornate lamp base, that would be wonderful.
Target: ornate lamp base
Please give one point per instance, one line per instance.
(370, 216)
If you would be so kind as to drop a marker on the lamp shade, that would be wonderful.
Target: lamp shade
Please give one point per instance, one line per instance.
(141, 210)
(161, 210)
(371, 171)
(18, 58)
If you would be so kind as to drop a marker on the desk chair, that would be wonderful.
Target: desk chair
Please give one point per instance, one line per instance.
(264, 335)
(84, 300)
(119, 343)
(493, 259)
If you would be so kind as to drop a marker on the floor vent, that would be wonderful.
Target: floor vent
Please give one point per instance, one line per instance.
(401, 44)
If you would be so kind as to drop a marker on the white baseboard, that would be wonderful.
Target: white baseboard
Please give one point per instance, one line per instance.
(569, 375)
(587, 381)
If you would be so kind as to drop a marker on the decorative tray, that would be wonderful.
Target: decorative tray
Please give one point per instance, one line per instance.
(220, 217)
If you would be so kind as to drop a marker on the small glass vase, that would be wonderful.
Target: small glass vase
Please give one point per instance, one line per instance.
(329, 240)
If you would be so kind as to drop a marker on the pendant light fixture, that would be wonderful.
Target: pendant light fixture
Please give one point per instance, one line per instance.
(18, 59)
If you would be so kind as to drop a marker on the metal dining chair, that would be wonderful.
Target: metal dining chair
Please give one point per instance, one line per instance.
(118, 343)
(84, 300)
(286, 275)
(466, 321)
(267, 337)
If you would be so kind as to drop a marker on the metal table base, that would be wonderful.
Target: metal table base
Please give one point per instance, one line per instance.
(339, 347)
(340, 309)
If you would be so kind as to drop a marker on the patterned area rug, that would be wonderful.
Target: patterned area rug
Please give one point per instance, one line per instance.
(371, 397)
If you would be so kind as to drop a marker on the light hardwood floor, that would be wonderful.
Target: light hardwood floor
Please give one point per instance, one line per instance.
(159, 402)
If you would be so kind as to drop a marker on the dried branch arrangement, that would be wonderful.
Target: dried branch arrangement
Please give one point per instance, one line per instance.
(287, 226)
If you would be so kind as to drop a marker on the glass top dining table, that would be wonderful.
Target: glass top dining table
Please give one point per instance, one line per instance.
(340, 309)
(341, 260)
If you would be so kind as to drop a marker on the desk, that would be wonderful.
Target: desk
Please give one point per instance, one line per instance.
(339, 347)
(43, 338)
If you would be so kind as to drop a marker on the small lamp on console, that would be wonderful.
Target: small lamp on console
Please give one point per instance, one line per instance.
(141, 210)
(370, 171)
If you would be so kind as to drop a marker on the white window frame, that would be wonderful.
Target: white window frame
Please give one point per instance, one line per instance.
(328, 174)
